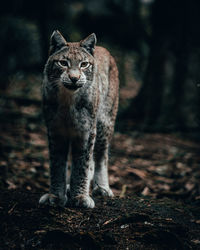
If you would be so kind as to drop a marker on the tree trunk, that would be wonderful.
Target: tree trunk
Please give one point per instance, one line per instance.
(169, 98)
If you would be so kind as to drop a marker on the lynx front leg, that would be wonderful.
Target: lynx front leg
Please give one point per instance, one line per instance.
(58, 150)
(82, 169)
(101, 182)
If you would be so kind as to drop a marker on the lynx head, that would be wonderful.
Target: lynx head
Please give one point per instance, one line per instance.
(71, 65)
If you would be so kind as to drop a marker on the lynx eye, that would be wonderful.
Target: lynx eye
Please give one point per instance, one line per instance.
(63, 63)
(84, 65)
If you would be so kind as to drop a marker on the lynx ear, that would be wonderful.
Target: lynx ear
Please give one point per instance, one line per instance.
(57, 41)
(89, 43)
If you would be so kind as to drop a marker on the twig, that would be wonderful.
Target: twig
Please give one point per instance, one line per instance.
(12, 208)
(122, 194)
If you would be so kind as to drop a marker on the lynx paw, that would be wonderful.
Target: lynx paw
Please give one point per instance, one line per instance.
(101, 191)
(53, 200)
(84, 201)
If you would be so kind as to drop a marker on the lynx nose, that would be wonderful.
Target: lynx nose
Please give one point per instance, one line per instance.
(73, 78)
(74, 75)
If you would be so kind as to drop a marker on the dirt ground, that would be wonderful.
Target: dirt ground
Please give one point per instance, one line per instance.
(118, 223)
(155, 178)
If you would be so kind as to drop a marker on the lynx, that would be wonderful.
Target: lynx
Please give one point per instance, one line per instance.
(80, 102)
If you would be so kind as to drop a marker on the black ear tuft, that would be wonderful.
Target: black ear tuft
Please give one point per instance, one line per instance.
(57, 41)
(89, 43)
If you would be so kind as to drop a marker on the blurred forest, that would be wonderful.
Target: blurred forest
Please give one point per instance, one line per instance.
(157, 48)
(156, 44)
(156, 146)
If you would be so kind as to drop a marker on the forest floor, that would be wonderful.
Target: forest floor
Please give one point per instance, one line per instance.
(155, 178)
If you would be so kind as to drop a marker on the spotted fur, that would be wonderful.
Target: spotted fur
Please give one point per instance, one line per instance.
(80, 102)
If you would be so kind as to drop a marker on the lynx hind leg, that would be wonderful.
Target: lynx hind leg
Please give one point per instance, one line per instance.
(100, 181)
(105, 128)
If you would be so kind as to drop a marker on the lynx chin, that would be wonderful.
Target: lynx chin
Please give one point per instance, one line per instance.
(80, 102)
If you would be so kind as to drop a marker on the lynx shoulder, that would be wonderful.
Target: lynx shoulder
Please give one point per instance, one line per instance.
(80, 102)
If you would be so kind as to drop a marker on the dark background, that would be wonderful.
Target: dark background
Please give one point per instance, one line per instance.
(156, 44)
